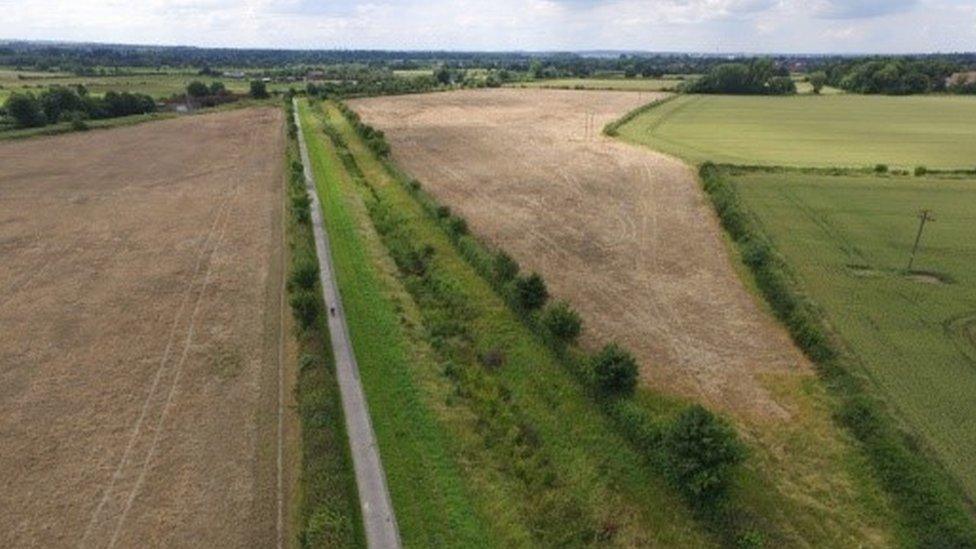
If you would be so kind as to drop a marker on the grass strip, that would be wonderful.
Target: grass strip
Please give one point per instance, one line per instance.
(432, 500)
(328, 507)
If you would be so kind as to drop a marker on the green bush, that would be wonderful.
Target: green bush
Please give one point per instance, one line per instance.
(197, 89)
(259, 90)
(305, 306)
(701, 453)
(920, 171)
(505, 268)
(881, 168)
(304, 274)
(615, 370)
(562, 322)
(531, 292)
(78, 123)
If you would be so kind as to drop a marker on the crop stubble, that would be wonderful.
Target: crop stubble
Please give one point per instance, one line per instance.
(139, 299)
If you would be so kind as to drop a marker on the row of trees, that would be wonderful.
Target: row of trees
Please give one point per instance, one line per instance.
(199, 90)
(892, 76)
(700, 452)
(759, 77)
(61, 104)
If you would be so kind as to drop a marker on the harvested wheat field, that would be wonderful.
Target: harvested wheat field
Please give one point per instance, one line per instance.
(140, 277)
(623, 233)
(627, 236)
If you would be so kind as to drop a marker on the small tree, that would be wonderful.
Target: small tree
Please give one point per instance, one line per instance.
(197, 89)
(615, 370)
(217, 88)
(25, 110)
(259, 90)
(563, 322)
(531, 292)
(818, 80)
(701, 452)
(504, 267)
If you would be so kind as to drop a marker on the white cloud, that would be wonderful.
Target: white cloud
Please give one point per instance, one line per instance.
(672, 25)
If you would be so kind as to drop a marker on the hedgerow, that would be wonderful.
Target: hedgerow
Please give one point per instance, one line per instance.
(930, 505)
(328, 510)
(635, 423)
(557, 518)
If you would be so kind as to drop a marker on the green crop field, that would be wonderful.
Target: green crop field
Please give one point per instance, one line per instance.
(155, 85)
(848, 240)
(806, 130)
(622, 84)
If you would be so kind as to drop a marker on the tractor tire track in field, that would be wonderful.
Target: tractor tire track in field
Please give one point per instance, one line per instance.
(114, 505)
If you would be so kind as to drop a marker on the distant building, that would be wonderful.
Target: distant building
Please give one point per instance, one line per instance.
(234, 74)
(961, 78)
(315, 75)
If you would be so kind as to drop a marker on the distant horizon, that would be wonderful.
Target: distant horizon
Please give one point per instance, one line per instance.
(713, 27)
(592, 52)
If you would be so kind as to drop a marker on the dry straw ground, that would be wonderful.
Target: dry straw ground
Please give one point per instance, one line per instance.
(139, 305)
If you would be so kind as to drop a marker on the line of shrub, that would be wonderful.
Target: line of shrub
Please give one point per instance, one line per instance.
(554, 515)
(931, 506)
(697, 451)
(611, 129)
(872, 171)
(328, 508)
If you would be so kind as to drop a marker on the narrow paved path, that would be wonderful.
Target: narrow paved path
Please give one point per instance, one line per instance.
(374, 498)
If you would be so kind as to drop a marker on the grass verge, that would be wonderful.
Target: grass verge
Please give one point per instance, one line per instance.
(432, 500)
(328, 506)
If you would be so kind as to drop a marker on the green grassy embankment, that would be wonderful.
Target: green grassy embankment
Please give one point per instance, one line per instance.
(433, 502)
(327, 507)
(546, 464)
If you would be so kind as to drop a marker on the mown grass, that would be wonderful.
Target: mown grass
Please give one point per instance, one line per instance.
(549, 465)
(839, 235)
(836, 130)
(849, 240)
(432, 500)
(327, 503)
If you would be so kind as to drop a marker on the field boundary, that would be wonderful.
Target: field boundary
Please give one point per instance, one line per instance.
(610, 130)
(930, 503)
(379, 520)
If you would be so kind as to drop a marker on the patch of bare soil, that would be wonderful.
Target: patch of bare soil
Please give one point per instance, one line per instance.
(623, 233)
(140, 278)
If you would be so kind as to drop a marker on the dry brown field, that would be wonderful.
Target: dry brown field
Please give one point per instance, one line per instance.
(628, 237)
(140, 315)
(623, 233)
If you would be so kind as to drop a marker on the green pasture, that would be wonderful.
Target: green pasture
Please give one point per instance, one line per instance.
(807, 130)
(155, 85)
(848, 240)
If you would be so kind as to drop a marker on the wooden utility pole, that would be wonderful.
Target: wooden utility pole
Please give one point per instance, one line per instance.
(924, 216)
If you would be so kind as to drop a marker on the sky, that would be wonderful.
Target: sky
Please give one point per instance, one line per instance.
(705, 26)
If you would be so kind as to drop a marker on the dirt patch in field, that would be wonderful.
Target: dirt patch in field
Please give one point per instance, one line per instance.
(140, 274)
(623, 233)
